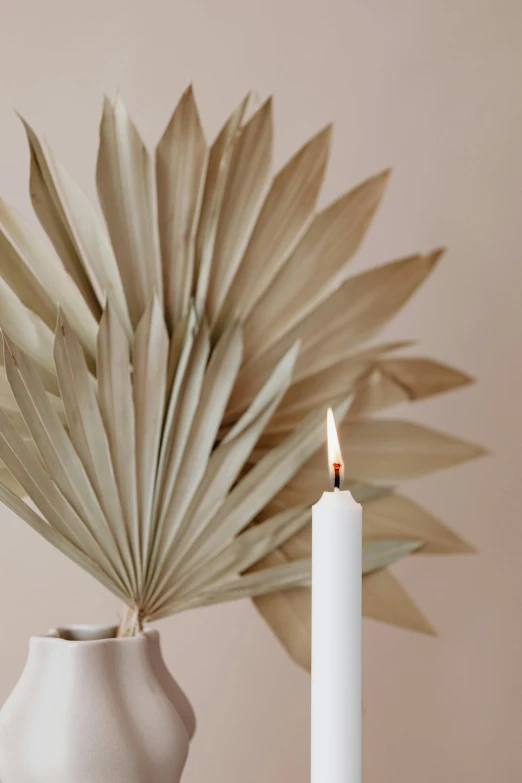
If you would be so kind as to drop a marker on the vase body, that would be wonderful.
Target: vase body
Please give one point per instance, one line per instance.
(91, 708)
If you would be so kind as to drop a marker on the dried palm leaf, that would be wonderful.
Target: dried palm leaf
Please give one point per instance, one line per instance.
(351, 315)
(285, 213)
(169, 431)
(58, 224)
(125, 179)
(395, 516)
(385, 450)
(180, 165)
(26, 260)
(391, 381)
(302, 284)
(30, 333)
(385, 599)
(249, 167)
(216, 178)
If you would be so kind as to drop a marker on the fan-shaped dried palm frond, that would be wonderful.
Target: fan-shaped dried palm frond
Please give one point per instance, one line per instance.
(165, 375)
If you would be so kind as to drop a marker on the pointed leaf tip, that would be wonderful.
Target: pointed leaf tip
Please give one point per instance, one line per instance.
(61, 320)
(433, 256)
(378, 181)
(265, 108)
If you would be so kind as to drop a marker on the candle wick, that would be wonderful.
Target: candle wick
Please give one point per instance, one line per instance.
(337, 475)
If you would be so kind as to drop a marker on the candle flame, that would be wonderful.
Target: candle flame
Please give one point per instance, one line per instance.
(335, 458)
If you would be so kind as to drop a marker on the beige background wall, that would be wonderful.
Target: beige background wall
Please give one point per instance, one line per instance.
(432, 87)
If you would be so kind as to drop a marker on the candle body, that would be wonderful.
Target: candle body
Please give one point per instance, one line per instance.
(336, 639)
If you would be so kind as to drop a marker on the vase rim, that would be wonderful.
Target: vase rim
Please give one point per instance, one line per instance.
(76, 634)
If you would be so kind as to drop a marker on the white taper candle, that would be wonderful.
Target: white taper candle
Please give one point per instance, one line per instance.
(336, 633)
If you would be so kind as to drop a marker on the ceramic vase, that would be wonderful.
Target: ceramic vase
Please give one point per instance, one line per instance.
(91, 708)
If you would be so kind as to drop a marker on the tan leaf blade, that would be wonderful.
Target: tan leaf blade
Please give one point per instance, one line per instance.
(363, 493)
(384, 450)
(51, 439)
(88, 236)
(57, 540)
(380, 451)
(223, 469)
(90, 439)
(307, 277)
(385, 552)
(354, 313)
(49, 208)
(38, 278)
(363, 305)
(219, 378)
(215, 182)
(396, 516)
(288, 614)
(285, 212)
(115, 394)
(28, 472)
(9, 404)
(180, 358)
(149, 356)
(9, 482)
(308, 484)
(245, 550)
(329, 359)
(321, 388)
(180, 342)
(126, 187)
(181, 410)
(180, 166)
(284, 577)
(384, 599)
(30, 333)
(267, 478)
(17, 273)
(298, 573)
(249, 168)
(404, 380)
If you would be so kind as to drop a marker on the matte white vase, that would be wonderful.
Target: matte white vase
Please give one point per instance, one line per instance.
(90, 708)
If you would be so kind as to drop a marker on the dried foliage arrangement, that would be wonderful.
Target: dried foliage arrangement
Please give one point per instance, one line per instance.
(166, 372)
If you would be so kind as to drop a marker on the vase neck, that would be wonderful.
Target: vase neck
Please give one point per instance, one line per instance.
(78, 649)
